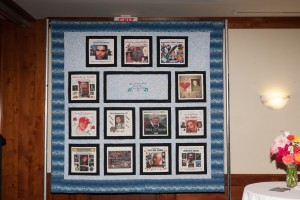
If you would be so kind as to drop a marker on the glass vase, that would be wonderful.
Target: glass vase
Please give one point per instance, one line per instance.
(291, 176)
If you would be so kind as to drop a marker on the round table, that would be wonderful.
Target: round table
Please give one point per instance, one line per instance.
(261, 191)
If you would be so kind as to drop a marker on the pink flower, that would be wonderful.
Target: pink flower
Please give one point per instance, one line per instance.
(282, 152)
(279, 141)
(273, 149)
(288, 159)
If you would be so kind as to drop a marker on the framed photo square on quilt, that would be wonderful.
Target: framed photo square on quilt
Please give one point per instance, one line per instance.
(191, 122)
(119, 123)
(83, 159)
(84, 123)
(191, 86)
(119, 159)
(136, 51)
(155, 159)
(172, 51)
(155, 123)
(101, 51)
(191, 158)
(83, 87)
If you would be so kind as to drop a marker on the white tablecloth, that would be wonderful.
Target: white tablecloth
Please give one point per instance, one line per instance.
(261, 191)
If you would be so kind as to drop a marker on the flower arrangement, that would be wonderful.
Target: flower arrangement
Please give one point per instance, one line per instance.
(286, 148)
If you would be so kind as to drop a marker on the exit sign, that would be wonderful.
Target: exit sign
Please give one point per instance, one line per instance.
(126, 18)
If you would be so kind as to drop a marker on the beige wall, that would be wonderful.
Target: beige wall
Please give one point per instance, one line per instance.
(261, 60)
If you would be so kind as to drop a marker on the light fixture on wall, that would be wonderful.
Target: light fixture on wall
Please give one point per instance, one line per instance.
(274, 101)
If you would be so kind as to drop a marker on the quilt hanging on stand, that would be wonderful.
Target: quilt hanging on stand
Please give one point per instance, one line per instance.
(137, 107)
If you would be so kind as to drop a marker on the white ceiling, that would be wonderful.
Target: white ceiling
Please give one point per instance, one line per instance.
(41, 9)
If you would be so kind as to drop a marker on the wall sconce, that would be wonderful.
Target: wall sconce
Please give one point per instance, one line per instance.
(274, 101)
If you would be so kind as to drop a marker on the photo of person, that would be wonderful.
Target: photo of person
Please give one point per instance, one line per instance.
(191, 126)
(119, 121)
(172, 57)
(129, 57)
(83, 159)
(190, 87)
(75, 88)
(81, 128)
(155, 126)
(198, 156)
(191, 122)
(196, 85)
(155, 158)
(136, 51)
(155, 123)
(144, 59)
(191, 158)
(101, 51)
(199, 124)
(173, 52)
(182, 125)
(84, 89)
(92, 87)
(76, 158)
(91, 158)
(83, 123)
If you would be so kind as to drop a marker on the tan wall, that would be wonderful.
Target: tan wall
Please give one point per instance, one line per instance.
(261, 60)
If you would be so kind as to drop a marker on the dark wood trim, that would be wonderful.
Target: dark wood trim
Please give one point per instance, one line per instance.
(1, 78)
(233, 22)
(243, 22)
(1, 105)
(19, 10)
(246, 179)
(13, 12)
(82, 18)
(263, 22)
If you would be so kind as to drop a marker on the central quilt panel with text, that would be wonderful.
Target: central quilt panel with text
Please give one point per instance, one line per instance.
(137, 107)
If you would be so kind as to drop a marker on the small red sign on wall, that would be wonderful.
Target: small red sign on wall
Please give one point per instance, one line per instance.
(126, 18)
